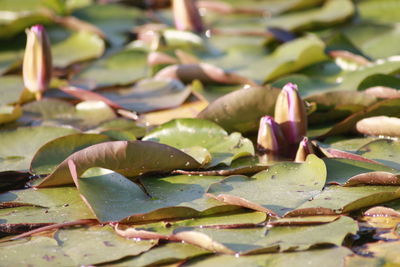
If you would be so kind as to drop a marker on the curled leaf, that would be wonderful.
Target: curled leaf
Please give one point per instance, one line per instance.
(379, 126)
(374, 178)
(131, 158)
(204, 72)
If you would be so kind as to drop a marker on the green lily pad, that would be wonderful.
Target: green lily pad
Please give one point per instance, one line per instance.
(171, 197)
(241, 110)
(131, 158)
(150, 95)
(11, 88)
(385, 151)
(287, 58)
(165, 254)
(97, 245)
(280, 238)
(114, 20)
(18, 15)
(380, 80)
(386, 251)
(329, 75)
(387, 107)
(350, 145)
(186, 133)
(40, 251)
(332, 12)
(228, 220)
(121, 124)
(268, 190)
(9, 57)
(121, 68)
(338, 199)
(49, 205)
(80, 46)
(380, 10)
(331, 99)
(16, 155)
(54, 152)
(340, 169)
(329, 257)
(84, 115)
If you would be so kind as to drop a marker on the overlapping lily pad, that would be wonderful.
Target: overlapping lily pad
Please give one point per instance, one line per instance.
(268, 191)
(121, 68)
(16, 155)
(188, 133)
(132, 158)
(281, 238)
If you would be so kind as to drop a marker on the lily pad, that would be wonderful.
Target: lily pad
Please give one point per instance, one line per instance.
(54, 152)
(121, 68)
(287, 58)
(340, 169)
(40, 251)
(10, 89)
(132, 158)
(84, 115)
(150, 95)
(50, 205)
(241, 110)
(329, 257)
(97, 245)
(333, 11)
(268, 190)
(80, 46)
(385, 151)
(165, 254)
(386, 107)
(339, 200)
(170, 197)
(16, 155)
(187, 133)
(280, 238)
(114, 20)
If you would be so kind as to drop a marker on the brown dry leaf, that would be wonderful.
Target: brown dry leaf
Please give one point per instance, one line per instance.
(381, 211)
(157, 58)
(374, 178)
(131, 232)
(203, 241)
(87, 95)
(347, 55)
(204, 72)
(379, 126)
(383, 92)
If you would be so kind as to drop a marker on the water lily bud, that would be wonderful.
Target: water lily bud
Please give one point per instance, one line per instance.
(305, 149)
(290, 113)
(187, 16)
(37, 65)
(270, 137)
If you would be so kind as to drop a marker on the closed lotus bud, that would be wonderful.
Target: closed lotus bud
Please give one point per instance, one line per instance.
(37, 65)
(305, 149)
(290, 113)
(187, 16)
(270, 137)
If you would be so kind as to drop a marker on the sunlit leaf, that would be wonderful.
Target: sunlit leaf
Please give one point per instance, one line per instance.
(131, 158)
(187, 133)
(19, 146)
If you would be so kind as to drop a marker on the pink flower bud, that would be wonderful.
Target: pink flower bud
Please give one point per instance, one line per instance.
(37, 66)
(187, 16)
(290, 113)
(270, 137)
(305, 149)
